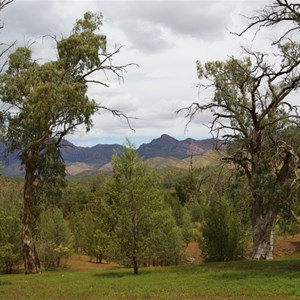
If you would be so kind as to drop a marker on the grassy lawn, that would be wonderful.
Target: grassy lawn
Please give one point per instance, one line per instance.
(233, 280)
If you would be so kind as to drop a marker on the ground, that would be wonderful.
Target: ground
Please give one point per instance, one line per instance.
(288, 247)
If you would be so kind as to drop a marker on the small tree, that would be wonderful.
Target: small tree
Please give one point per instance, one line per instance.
(187, 186)
(135, 199)
(10, 223)
(223, 237)
(10, 233)
(165, 247)
(76, 198)
(53, 238)
(91, 234)
(186, 228)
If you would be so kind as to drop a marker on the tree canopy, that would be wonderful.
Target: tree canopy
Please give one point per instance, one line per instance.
(143, 228)
(253, 115)
(48, 101)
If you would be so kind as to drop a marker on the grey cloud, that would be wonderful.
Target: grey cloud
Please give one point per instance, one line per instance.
(146, 36)
(143, 21)
(28, 22)
(200, 19)
(31, 18)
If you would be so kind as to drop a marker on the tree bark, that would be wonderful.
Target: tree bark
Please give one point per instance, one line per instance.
(263, 238)
(30, 256)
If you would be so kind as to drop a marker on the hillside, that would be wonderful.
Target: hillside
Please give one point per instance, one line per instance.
(209, 157)
(162, 152)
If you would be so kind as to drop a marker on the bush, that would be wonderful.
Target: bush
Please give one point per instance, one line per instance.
(91, 235)
(53, 239)
(10, 225)
(165, 241)
(186, 228)
(223, 236)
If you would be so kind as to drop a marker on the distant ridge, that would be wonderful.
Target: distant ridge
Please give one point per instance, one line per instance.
(82, 159)
(167, 146)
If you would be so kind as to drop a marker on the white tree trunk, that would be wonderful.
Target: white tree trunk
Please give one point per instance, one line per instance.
(263, 237)
(30, 256)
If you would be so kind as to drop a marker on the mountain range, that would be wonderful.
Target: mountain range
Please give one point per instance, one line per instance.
(161, 152)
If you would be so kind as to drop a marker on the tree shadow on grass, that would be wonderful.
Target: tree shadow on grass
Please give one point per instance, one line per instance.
(243, 268)
(5, 283)
(120, 274)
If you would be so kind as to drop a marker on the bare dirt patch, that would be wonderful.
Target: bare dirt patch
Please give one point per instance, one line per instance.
(284, 248)
(288, 247)
(84, 263)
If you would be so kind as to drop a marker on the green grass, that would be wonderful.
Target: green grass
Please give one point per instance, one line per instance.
(234, 280)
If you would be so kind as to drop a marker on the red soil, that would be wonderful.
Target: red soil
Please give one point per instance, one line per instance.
(284, 248)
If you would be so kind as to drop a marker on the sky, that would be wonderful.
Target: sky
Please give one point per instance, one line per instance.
(163, 38)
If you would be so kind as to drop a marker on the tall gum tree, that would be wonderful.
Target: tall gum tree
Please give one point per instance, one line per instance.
(48, 101)
(252, 113)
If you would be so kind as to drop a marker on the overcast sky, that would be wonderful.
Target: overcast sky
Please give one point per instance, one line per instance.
(165, 38)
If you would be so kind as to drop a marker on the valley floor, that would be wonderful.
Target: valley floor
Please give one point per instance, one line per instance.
(285, 248)
(85, 279)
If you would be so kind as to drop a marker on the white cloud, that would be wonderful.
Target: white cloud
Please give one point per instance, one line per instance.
(164, 38)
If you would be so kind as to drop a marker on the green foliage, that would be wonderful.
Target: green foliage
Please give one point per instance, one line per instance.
(187, 187)
(47, 102)
(223, 235)
(253, 115)
(10, 236)
(10, 223)
(286, 227)
(91, 233)
(53, 240)
(197, 211)
(177, 209)
(164, 244)
(80, 51)
(76, 197)
(136, 201)
(187, 232)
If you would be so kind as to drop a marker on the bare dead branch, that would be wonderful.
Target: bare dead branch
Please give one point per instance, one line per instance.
(271, 15)
(118, 113)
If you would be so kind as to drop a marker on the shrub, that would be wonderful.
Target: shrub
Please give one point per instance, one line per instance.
(223, 236)
(53, 239)
(10, 236)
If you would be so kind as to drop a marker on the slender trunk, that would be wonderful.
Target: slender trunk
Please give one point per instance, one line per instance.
(262, 230)
(135, 237)
(30, 256)
(9, 268)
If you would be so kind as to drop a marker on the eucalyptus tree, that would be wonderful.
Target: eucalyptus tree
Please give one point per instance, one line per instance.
(253, 114)
(48, 101)
(4, 48)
